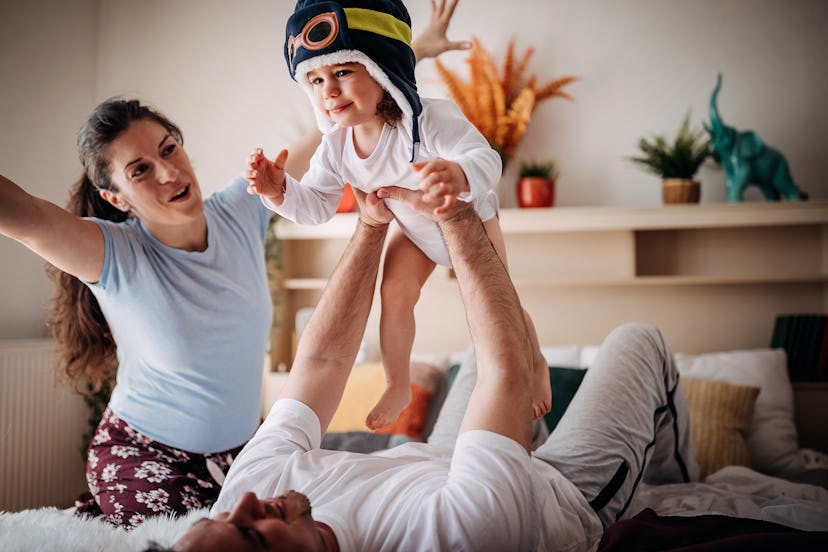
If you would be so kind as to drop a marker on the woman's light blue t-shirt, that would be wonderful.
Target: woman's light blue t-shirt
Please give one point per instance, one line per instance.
(191, 327)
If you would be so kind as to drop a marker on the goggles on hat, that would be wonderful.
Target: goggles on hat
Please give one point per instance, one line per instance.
(326, 28)
(317, 33)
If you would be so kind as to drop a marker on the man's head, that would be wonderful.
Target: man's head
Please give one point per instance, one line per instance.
(375, 33)
(282, 523)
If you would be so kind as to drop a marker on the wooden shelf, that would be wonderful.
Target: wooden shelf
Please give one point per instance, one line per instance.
(305, 283)
(320, 283)
(711, 276)
(587, 219)
(675, 281)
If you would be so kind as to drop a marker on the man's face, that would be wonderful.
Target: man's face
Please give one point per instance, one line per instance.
(282, 523)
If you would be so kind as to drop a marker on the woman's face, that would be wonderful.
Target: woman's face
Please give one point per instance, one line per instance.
(154, 178)
(282, 523)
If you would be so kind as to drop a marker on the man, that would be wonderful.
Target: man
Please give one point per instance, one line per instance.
(486, 492)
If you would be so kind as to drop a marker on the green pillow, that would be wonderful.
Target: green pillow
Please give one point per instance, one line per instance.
(452, 373)
(565, 382)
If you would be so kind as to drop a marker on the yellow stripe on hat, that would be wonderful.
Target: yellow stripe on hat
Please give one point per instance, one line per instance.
(381, 23)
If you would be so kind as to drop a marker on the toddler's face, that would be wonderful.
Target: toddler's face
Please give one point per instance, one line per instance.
(346, 93)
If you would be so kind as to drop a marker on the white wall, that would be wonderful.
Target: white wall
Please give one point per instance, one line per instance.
(216, 68)
(47, 69)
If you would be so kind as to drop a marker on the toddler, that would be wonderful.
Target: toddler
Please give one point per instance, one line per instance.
(354, 60)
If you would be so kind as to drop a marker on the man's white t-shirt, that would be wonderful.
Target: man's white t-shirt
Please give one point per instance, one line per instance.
(486, 494)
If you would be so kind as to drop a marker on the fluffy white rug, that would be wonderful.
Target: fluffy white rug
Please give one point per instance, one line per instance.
(59, 530)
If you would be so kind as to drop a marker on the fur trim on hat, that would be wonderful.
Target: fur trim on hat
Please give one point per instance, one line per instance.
(348, 56)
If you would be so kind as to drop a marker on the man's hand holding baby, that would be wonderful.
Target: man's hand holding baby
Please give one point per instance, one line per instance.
(372, 209)
(267, 178)
(442, 182)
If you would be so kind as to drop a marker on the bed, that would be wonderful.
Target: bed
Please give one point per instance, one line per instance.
(760, 489)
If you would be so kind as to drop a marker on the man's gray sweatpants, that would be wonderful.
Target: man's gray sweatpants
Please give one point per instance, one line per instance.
(627, 423)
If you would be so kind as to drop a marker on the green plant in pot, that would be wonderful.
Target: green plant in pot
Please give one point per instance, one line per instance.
(676, 162)
(536, 184)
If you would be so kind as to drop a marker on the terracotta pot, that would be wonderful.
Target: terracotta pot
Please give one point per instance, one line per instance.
(536, 191)
(680, 190)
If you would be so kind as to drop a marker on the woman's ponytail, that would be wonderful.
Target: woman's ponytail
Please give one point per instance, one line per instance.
(84, 341)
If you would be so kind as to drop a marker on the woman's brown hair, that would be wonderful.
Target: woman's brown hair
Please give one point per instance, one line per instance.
(84, 340)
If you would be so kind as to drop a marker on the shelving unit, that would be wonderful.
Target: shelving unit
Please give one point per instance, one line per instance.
(711, 276)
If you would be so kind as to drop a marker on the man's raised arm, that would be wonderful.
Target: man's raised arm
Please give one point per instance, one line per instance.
(329, 343)
(502, 398)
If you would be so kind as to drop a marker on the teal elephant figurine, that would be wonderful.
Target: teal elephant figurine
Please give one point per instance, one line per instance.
(748, 161)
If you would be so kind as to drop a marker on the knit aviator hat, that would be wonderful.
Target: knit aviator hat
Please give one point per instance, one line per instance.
(375, 33)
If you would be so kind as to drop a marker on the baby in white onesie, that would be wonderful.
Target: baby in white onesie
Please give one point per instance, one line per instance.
(357, 66)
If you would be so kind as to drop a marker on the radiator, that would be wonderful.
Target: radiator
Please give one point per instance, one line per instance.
(41, 429)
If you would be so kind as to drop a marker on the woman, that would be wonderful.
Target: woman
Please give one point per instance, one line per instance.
(172, 290)
(168, 278)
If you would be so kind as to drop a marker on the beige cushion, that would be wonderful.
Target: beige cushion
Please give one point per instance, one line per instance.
(720, 416)
(366, 385)
(772, 438)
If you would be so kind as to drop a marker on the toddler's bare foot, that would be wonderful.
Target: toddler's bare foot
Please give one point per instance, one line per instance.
(388, 408)
(541, 390)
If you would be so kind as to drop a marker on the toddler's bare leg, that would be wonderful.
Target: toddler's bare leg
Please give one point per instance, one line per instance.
(405, 271)
(541, 387)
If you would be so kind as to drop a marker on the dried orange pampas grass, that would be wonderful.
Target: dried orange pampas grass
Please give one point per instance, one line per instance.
(500, 104)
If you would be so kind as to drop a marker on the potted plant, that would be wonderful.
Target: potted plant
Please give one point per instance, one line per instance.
(536, 184)
(500, 100)
(676, 163)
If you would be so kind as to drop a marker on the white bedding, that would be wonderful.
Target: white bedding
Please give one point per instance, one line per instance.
(740, 492)
(732, 491)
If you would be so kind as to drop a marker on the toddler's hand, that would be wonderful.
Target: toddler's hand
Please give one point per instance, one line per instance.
(442, 182)
(265, 177)
(417, 201)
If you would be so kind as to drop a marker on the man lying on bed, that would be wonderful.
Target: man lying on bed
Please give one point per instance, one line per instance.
(628, 421)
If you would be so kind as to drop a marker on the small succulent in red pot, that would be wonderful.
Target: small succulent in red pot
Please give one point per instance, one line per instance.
(536, 185)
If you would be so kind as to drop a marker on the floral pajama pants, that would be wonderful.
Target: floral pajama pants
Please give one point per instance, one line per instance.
(132, 477)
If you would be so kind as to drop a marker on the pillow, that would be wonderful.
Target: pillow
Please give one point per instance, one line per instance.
(720, 416)
(771, 439)
(413, 417)
(565, 382)
(563, 355)
(355, 441)
(366, 385)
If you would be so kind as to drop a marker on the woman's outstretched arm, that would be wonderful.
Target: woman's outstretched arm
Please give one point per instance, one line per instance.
(72, 244)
